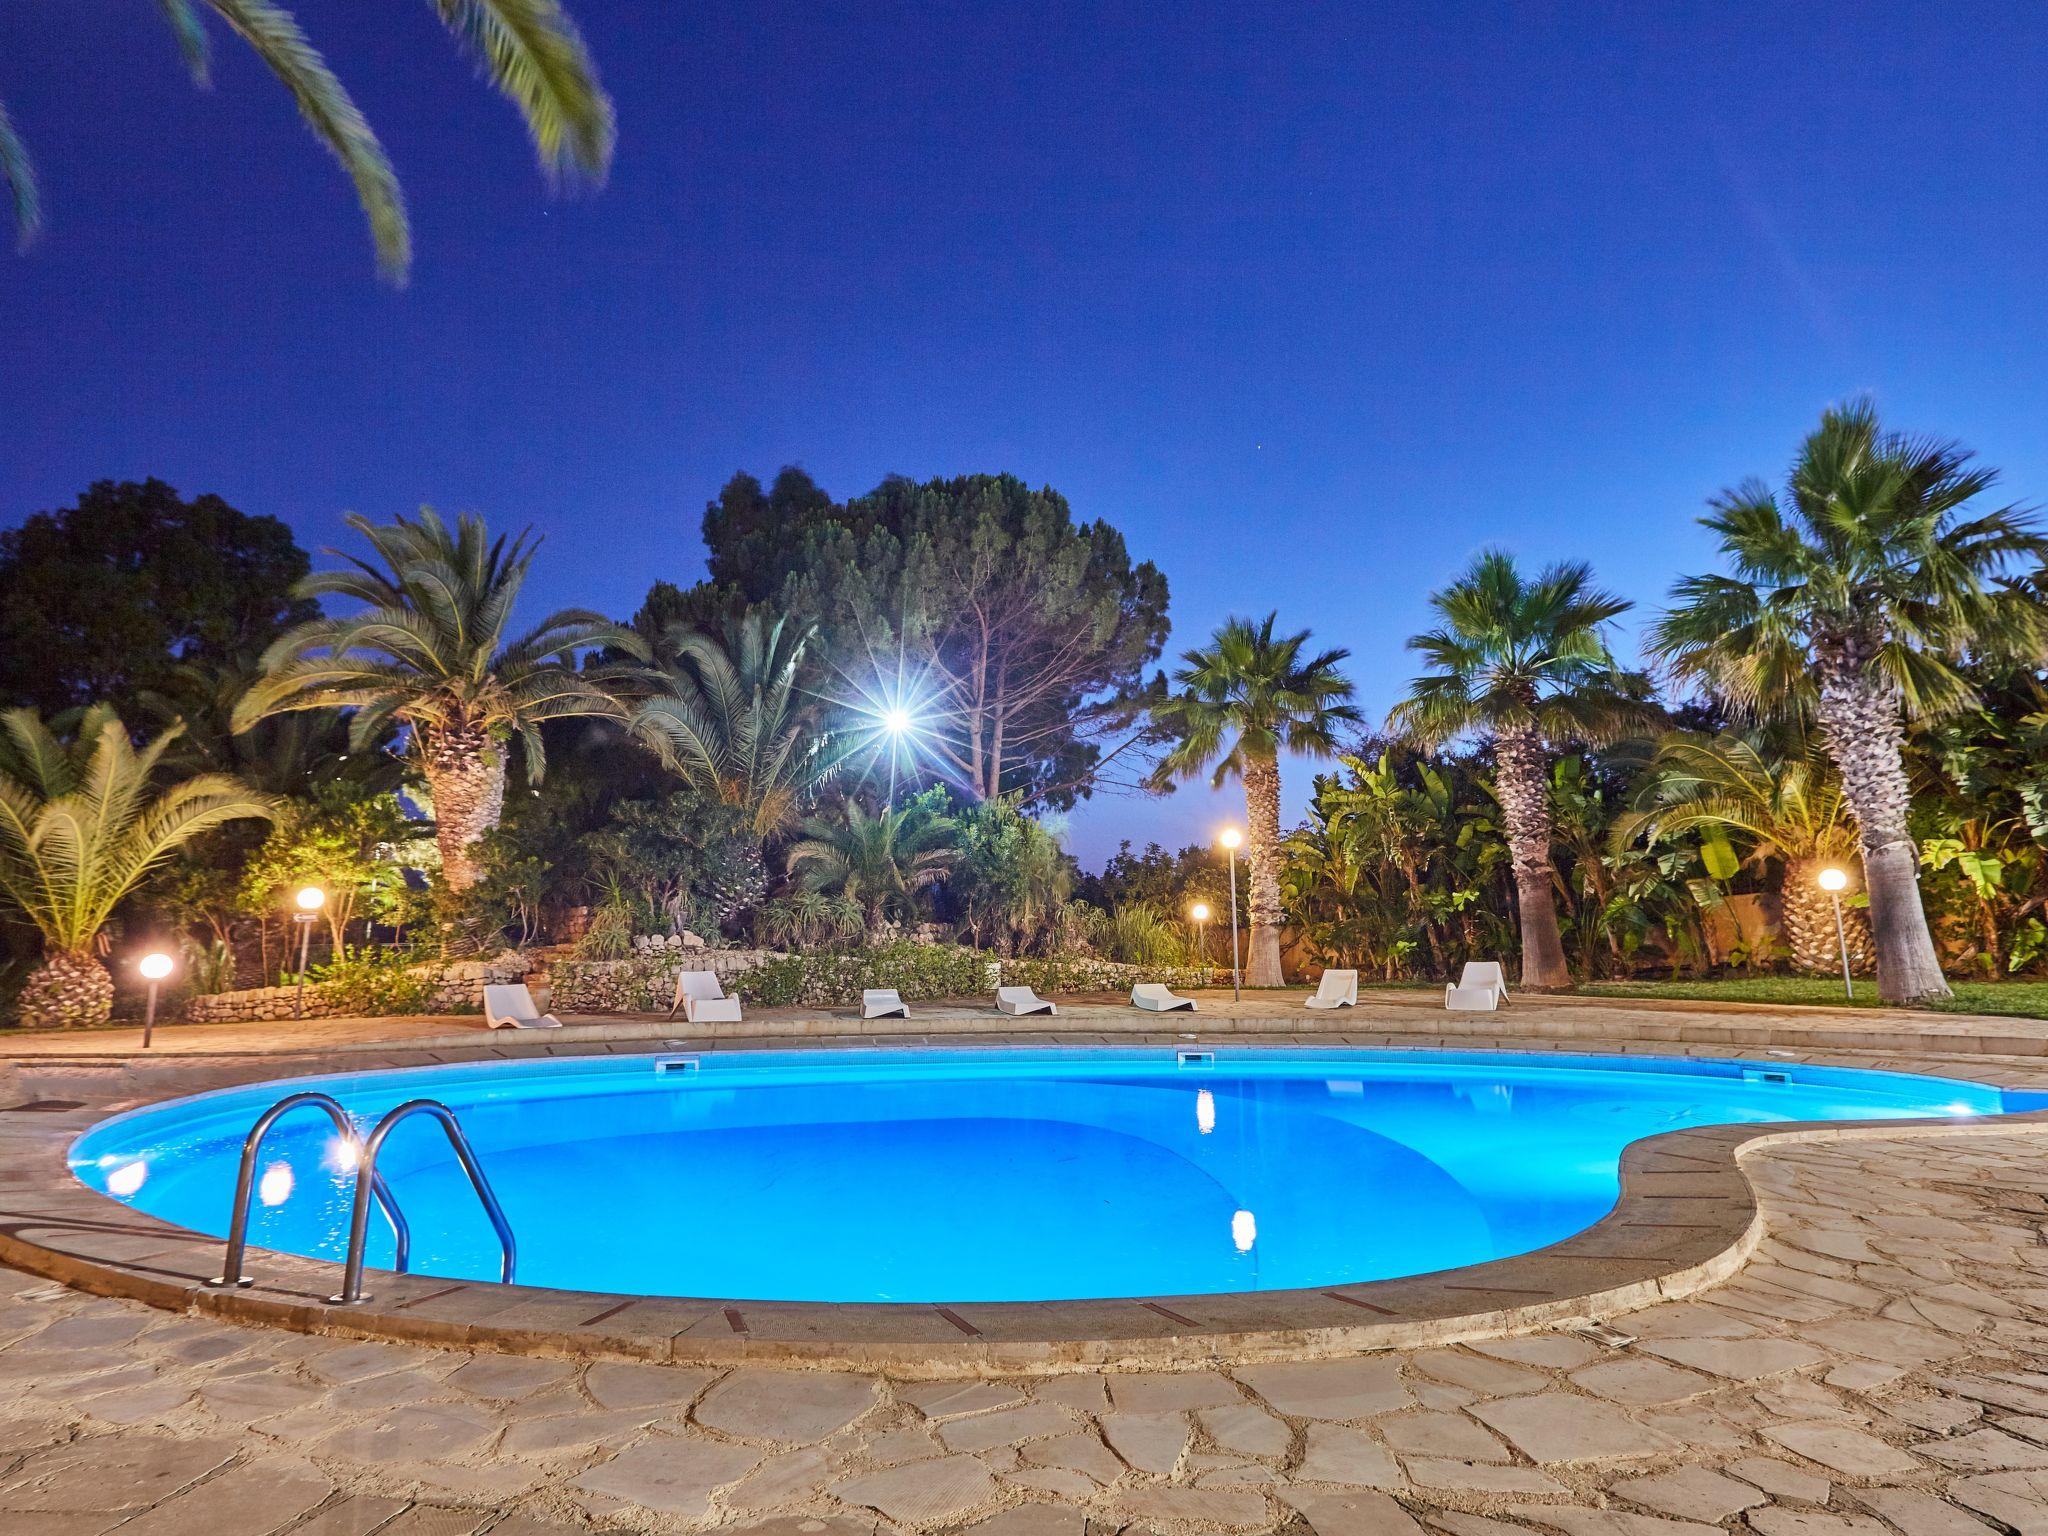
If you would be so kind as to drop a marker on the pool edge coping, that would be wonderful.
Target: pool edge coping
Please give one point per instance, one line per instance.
(1688, 1216)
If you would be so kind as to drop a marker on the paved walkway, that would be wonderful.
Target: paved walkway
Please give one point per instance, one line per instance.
(1881, 1366)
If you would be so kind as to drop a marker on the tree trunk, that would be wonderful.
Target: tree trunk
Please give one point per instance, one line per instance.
(1524, 784)
(1810, 924)
(1863, 729)
(466, 775)
(1262, 854)
(68, 990)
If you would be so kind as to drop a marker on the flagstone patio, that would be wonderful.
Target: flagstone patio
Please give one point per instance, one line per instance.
(1880, 1364)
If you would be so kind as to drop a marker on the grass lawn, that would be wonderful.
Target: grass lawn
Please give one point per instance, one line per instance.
(2021, 999)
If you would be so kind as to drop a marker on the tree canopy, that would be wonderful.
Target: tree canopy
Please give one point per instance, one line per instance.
(102, 601)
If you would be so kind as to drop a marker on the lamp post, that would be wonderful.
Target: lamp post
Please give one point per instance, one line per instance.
(154, 966)
(310, 900)
(1200, 913)
(1232, 839)
(1834, 882)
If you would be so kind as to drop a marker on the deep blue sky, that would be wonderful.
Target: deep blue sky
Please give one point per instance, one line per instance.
(1311, 301)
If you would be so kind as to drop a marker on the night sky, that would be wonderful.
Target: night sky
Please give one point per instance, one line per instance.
(1311, 301)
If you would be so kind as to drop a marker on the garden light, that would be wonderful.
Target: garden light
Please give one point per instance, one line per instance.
(1232, 839)
(1199, 911)
(154, 966)
(1834, 882)
(310, 900)
(896, 721)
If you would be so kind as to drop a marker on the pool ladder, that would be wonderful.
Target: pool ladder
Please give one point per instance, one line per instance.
(369, 1186)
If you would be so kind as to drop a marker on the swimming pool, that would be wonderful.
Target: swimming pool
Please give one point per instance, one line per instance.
(990, 1175)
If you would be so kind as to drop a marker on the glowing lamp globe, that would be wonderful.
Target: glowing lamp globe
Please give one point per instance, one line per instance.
(154, 967)
(896, 721)
(1834, 880)
(311, 898)
(1199, 911)
(1231, 838)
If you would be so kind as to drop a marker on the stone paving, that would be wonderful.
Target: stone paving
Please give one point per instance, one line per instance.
(1880, 1366)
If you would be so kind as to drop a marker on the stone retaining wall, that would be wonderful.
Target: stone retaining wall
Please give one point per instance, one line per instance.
(455, 987)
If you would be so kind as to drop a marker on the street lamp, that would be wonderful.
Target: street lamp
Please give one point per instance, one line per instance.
(1232, 840)
(897, 721)
(1200, 913)
(1834, 882)
(310, 900)
(154, 966)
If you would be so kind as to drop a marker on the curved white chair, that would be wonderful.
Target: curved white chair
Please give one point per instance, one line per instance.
(1021, 1000)
(1480, 988)
(1336, 989)
(703, 1000)
(512, 1007)
(1156, 997)
(882, 1003)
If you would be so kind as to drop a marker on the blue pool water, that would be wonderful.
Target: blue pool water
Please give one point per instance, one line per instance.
(980, 1175)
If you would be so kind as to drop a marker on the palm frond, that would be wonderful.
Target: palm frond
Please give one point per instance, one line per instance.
(534, 55)
(19, 172)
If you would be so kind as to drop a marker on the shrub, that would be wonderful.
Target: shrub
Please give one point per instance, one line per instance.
(376, 982)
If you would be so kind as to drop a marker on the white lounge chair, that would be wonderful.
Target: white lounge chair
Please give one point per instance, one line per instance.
(1480, 988)
(703, 1000)
(882, 1003)
(1018, 1000)
(513, 1007)
(1157, 998)
(1336, 989)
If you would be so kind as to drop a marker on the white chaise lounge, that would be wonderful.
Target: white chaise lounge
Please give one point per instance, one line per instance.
(703, 1000)
(1017, 1000)
(882, 1003)
(512, 1007)
(1336, 989)
(1155, 997)
(1480, 988)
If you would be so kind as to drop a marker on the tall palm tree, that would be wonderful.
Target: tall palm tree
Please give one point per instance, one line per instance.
(1782, 804)
(1245, 699)
(430, 652)
(1525, 664)
(882, 861)
(81, 823)
(529, 49)
(731, 719)
(1851, 602)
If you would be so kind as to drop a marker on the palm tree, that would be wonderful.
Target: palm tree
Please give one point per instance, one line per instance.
(731, 719)
(881, 861)
(1851, 603)
(1783, 804)
(1525, 664)
(1243, 701)
(81, 824)
(529, 49)
(430, 653)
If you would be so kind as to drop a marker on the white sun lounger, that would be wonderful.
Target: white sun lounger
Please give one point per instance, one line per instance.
(1017, 1000)
(512, 1007)
(703, 1000)
(1480, 988)
(1157, 998)
(1336, 989)
(882, 1003)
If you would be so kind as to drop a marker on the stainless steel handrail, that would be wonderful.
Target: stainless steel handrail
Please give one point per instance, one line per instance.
(238, 1223)
(366, 1183)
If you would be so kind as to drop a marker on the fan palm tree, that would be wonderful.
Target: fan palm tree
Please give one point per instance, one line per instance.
(1852, 601)
(1782, 804)
(529, 49)
(81, 824)
(1525, 664)
(882, 861)
(429, 652)
(1243, 701)
(731, 719)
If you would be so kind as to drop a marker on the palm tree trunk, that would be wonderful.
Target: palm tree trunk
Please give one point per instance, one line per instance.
(68, 990)
(1262, 853)
(466, 776)
(1810, 923)
(1864, 733)
(1524, 783)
